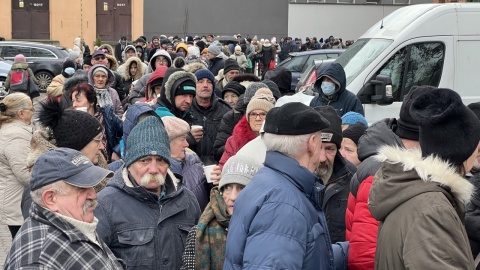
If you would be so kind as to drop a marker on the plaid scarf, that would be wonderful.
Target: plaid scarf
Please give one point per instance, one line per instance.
(211, 237)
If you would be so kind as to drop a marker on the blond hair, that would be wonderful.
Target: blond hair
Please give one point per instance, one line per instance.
(10, 106)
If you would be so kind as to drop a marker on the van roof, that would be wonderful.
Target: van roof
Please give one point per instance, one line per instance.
(436, 19)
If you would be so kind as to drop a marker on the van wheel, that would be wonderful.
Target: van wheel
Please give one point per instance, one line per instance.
(44, 79)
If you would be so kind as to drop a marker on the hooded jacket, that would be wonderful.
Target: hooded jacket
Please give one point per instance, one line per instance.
(361, 227)
(342, 100)
(242, 134)
(122, 67)
(128, 78)
(116, 103)
(420, 203)
(144, 230)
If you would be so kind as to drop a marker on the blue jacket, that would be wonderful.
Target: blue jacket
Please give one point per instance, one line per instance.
(278, 222)
(144, 230)
(342, 100)
(113, 128)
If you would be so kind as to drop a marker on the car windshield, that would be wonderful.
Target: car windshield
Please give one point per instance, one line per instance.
(360, 55)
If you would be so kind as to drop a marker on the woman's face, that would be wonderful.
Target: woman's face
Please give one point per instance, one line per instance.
(79, 100)
(100, 80)
(238, 52)
(348, 150)
(26, 114)
(255, 119)
(133, 69)
(231, 98)
(177, 147)
(230, 193)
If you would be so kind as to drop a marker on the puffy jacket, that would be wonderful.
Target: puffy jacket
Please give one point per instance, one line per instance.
(191, 168)
(342, 100)
(216, 64)
(14, 175)
(276, 225)
(225, 129)
(420, 203)
(55, 88)
(361, 226)
(209, 119)
(145, 231)
(19, 65)
(242, 134)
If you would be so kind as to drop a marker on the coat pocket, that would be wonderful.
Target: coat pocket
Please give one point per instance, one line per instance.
(137, 247)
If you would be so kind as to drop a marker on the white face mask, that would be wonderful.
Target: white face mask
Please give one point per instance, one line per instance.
(328, 88)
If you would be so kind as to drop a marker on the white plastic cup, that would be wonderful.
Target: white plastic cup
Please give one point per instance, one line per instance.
(208, 169)
(83, 109)
(195, 127)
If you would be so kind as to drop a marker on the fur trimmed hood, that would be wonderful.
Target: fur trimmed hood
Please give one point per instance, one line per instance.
(140, 70)
(404, 174)
(113, 62)
(172, 80)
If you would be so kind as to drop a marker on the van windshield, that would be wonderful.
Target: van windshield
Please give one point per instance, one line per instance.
(360, 55)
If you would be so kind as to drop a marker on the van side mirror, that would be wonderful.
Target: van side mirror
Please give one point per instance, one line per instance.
(378, 91)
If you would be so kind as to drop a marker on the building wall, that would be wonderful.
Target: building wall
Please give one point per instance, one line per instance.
(6, 19)
(264, 18)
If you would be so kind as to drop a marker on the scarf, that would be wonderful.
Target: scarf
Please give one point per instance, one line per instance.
(103, 97)
(211, 237)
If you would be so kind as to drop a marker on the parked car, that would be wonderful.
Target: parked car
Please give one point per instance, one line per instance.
(309, 76)
(45, 60)
(5, 66)
(298, 62)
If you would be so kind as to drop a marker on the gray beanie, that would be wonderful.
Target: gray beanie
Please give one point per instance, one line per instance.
(214, 49)
(147, 138)
(238, 170)
(251, 90)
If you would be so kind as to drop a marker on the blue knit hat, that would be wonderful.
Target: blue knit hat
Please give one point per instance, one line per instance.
(204, 73)
(351, 118)
(147, 138)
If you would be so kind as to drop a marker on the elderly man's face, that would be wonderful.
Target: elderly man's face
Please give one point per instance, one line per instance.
(99, 59)
(325, 168)
(231, 73)
(150, 172)
(77, 203)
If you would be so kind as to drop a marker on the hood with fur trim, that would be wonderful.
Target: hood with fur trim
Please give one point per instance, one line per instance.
(151, 63)
(404, 175)
(113, 62)
(110, 80)
(126, 73)
(168, 90)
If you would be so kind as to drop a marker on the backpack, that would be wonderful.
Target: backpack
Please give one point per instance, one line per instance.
(19, 80)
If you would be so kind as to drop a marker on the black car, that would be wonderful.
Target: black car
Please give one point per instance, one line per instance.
(45, 60)
(298, 62)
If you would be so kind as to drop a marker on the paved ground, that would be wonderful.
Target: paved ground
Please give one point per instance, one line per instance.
(5, 242)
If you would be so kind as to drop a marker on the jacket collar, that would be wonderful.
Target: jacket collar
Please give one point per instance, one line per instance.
(429, 169)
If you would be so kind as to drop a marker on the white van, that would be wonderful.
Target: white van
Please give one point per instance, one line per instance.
(426, 44)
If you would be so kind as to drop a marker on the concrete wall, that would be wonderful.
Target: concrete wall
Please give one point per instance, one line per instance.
(264, 18)
(345, 21)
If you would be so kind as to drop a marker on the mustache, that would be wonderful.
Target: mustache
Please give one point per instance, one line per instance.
(152, 178)
(89, 203)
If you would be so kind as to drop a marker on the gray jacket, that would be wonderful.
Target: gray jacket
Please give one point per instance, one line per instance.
(143, 229)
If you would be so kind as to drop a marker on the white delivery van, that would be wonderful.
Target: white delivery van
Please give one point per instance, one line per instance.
(425, 44)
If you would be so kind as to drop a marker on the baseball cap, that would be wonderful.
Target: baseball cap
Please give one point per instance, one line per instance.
(98, 52)
(68, 165)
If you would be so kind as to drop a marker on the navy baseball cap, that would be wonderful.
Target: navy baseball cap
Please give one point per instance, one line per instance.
(98, 52)
(68, 165)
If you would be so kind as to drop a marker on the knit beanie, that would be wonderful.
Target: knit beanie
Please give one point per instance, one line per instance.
(447, 128)
(71, 128)
(234, 87)
(333, 133)
(351, 118)
(263, 100)
(407, 127)
(230, 64)
(100, 69)
(87, 60)
(175, 126)
(73, 55)
(204, 73)
(186, 87)
(201, 46)
(19, 58)
(354, 132)
(215, 49)
(251, 90)
(238, 48)
(193, 50)
(475, 107)
(274, 88)
(238, 170)
(147, 138)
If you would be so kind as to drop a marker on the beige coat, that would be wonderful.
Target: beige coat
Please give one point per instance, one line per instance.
(14, 175)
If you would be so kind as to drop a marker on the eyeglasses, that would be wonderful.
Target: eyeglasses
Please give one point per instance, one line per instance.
(99, 141)
(96, 58)
(255, 115)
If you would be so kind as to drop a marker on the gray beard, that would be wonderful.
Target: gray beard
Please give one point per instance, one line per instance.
(324, 173)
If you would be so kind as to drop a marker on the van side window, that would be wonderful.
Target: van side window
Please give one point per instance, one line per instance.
(415, 64)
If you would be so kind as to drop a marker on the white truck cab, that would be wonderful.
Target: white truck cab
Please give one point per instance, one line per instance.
(426, 44)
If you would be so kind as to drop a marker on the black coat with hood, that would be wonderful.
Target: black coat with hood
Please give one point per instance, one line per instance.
(342, 100)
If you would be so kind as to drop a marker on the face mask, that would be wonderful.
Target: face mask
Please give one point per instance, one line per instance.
(70, 71)
(328, 88)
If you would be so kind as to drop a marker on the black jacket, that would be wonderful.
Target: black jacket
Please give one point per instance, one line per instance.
(216, 64)
(472, 217)
(118, 52)
(225, 129)
(210, 120)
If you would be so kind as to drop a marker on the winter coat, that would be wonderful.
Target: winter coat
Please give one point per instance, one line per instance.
(117, 104)
(14, 174)
(121, 69)
(191, 168)
(276, 225)
(47, 241)
(362, 228)
(472, 217)
(216, 64)
(269, 53)
(19, 65)
(334, 202)
(119, 50)
(128, 77)
(420, 203)
(342, 101)
(143, 229)
(225, 129)
(241, 60)
(285, 52)
(242, 134)
(55, 88)
(113, 127)
(209, 119)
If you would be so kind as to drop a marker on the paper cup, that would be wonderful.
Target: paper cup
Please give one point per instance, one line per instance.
(208, 169)
(83, 109)
(195, 127)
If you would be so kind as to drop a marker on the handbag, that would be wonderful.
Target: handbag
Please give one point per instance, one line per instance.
(33, 91)
(271, 65)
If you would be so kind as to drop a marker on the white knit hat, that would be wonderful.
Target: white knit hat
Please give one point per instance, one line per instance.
(238, 170)
(175, 127)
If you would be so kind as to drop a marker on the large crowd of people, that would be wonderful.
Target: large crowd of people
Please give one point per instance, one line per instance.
(173, 155)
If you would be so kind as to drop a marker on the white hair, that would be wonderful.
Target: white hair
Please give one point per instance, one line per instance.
(58, 187)
(290, 145)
